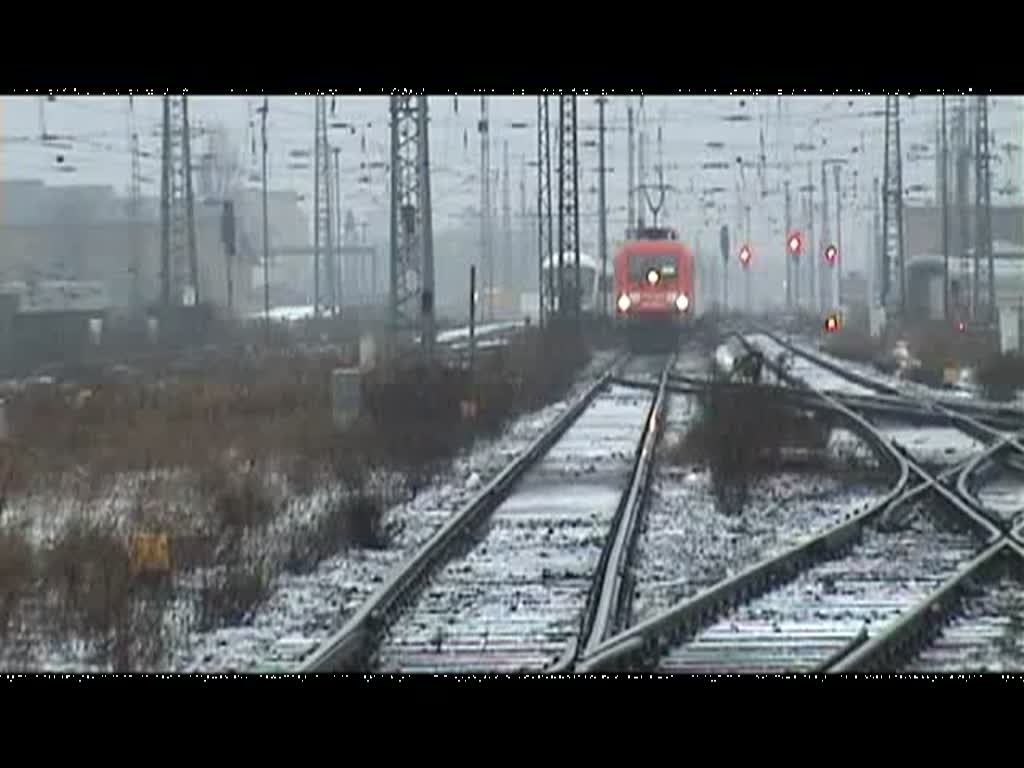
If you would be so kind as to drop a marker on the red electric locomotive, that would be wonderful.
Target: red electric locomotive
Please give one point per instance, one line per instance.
(654, 288)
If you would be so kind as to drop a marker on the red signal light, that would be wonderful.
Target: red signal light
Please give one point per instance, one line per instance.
(795, 243)
(745, 255)
(831, 254)
(832, 323)
(961, 327)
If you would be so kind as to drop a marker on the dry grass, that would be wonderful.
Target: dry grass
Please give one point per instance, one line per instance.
(228, 594)
(88, 572)
(352, 519)
(208, 448)
(16, 574)
(238, 500)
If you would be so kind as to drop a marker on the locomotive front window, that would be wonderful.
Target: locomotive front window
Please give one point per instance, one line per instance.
(641, 264)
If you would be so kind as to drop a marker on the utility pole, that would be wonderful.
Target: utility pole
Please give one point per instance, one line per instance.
(485, 211)
(339, 272)
(746, 270)
(165, 207)
(815, 297)
(631, 223)
(787, 257)
(983, 210)
(316, 206)
(839, 239)
(641, 168)
(523, 237)
(506, 218)
(412, 247)
(266, 226)
(568, 205)
(177, 222)
(324, 211)
(602, 220)
(944, 186)
(893, 268)
(824, 284)
(190, 221)
(135, 200)
(545, 293)
(963, 159)
(876, 242)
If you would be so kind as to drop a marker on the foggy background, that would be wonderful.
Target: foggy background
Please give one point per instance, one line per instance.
(718, 154)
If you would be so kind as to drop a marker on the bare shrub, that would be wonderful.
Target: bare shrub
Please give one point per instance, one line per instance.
(939, 346)
(239, 500)
(88, 569)
(744, 432)
(1001, 377)
(16, 573)
(228, 593)
(352, 519)
(140, 639)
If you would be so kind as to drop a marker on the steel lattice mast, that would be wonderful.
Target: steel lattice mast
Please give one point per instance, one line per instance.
(962, 158)
(412, 247)
(178, 256)
(602, 221)
(893, 267)
(984, 271)
(507, 268)
(545, 214)
(568, 206)
(486, 251)
(135, 197)
(322, 226)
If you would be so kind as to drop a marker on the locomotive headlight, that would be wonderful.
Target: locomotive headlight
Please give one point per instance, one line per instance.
(682, 302)
(624, 303)
(653, 277)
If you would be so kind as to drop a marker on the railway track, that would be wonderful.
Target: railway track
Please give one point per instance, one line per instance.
(531, 570)
(545, 569)
(819, 601)
(966, 433)
(688, 544)
(974, 620)
(971, 623)
(829, 609)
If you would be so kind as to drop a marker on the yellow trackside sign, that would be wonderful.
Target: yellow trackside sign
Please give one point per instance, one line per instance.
(151, 553)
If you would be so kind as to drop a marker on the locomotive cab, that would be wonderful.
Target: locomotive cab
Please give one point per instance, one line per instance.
(653, 287)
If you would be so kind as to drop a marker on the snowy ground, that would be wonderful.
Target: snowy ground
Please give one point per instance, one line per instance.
(305, 609)
(687, 545)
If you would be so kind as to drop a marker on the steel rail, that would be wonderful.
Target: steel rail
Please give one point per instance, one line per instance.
(350, 645)
(615, 573)
(913, 630)
(965, 423)
(647, 637)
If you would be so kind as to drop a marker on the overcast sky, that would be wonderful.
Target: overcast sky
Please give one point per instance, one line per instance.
(94, 144)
